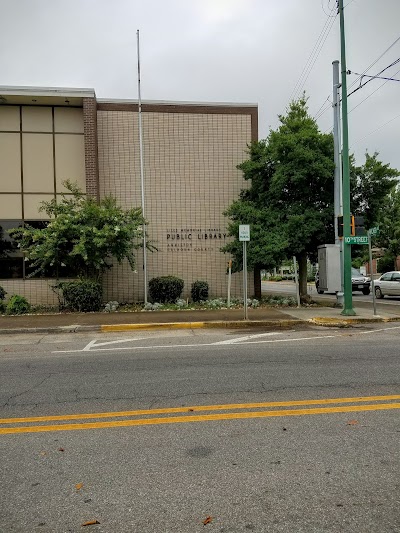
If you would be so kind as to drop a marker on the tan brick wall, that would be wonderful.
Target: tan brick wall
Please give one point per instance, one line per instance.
(91, 158)
(190, 179)
(36, 291)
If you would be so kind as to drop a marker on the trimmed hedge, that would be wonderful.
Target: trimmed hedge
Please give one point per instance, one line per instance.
(165, 289)
(17, 305)
(199, 291)
(84, 295)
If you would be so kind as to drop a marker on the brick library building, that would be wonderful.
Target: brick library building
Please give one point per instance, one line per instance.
(190, 150)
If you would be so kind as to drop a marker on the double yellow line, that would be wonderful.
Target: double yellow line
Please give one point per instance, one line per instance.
(189, 416)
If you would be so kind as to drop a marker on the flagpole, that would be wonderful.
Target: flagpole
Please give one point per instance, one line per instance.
(142, 171)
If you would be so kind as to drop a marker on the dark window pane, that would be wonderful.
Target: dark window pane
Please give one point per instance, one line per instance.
(7, 244)
(11, 267)
(37, 224)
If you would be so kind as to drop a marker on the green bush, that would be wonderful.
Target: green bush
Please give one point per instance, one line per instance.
(199, 291)
(276, 278)
(386, 263)
(82, 295)
(17, 305)
(165, 289)
(2, 293)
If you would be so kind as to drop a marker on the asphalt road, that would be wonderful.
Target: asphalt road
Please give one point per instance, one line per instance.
(162, 431)
(388, 304)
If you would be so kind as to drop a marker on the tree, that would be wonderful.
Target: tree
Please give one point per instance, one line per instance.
(389, 225)
(289, 203)
(370, 184)
(82, 235)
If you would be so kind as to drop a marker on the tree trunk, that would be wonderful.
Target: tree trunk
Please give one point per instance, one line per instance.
(257, 282)
(302, 260)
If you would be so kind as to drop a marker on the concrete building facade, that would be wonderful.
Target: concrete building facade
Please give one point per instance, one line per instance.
(191, 152)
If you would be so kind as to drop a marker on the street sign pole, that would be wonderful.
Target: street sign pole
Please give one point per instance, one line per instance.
(245, 280)
(296, 281)
(244, 236)
(371, 271)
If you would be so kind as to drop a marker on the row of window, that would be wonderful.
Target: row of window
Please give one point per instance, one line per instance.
(12, 262)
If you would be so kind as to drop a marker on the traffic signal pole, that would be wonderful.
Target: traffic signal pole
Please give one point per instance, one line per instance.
(348, 295)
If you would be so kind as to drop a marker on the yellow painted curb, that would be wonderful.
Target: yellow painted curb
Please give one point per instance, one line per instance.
(197, 325)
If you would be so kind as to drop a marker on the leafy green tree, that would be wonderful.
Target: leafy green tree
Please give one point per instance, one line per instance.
(83, 235)
(370, 184)
(389, 225)
(289, 203)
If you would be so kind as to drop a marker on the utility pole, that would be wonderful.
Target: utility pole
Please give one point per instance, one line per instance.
(348, 295)
(338, 170)
(142, 170)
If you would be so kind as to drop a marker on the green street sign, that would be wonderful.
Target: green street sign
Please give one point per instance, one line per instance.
(356, 240)
(374, 231)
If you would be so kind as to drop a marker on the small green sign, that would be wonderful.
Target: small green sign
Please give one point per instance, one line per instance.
(374, 231)
(356, 240)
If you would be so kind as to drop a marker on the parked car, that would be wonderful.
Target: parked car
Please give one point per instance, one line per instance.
(358, 282)
(388, 284)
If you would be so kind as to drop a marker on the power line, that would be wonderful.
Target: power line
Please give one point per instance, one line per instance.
(372, 77)
(373, 92)
(317, 115)
(374, 62)
(375, 77)
(377, 129)
(313, 55)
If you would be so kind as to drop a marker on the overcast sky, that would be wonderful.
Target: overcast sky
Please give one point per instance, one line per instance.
(211, 51)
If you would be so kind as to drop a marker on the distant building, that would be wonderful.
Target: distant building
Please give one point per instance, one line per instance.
(191, 151)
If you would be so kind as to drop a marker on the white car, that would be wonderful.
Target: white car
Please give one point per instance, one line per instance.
(388, 284)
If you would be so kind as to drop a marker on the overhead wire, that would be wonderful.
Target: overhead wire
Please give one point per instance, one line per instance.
(312, 58)
(373, 92)
(375, 130)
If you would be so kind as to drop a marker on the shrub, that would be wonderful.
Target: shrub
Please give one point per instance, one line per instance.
(17, 305)
(199, 291)
(111, 307)
(276, 278)
(81, 295)
(165, 289)
(386, 263)
(2, 293)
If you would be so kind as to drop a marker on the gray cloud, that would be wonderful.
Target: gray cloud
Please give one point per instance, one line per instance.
(207, 50)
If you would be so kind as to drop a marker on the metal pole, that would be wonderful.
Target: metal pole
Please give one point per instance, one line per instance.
(371, 271)
(348, 295)
(296, 281)
(338, 171)
(336, 148)
(245, 280)
(229, 282)
(142, 171)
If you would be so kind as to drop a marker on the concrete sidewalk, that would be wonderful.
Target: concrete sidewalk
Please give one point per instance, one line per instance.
(231, 318)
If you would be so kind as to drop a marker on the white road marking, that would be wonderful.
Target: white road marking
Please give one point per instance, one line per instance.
(247, 337)
(92, 344)
(94, 348)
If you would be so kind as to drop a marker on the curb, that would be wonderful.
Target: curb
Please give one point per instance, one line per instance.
(56, 329)
(348, 322)
(108, 328)
(198, 325)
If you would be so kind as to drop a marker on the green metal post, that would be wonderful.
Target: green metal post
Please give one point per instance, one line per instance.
(348, 296)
